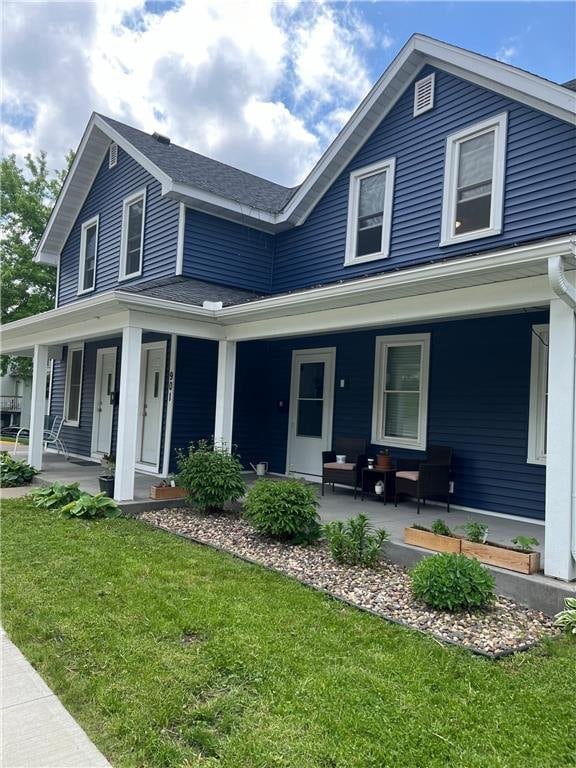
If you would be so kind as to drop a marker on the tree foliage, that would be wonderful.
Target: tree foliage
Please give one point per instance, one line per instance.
(27, 196)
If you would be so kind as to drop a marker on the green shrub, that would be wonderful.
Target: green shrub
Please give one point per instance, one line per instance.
(525, 543)
(92, 507)
(55, 496)
(452, 582)
(15, 472)
(283, 509)
(566, 619)
(440, 528)
(355, 541)
(211, 475)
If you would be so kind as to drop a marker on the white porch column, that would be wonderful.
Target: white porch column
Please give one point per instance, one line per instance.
(225, 393)
(37, 406)
(128, 413)
(561, 448)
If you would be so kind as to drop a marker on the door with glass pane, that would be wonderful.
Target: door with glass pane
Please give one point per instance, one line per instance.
(104, 400)
(311, 406)
(151, 405)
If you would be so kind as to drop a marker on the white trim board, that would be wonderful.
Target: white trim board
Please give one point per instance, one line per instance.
(170, 405)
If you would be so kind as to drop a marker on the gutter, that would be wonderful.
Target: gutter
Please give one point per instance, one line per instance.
(567, 293)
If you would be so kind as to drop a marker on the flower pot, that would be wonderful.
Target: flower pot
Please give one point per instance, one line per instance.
(167, 492)
(106, 483)
(502, 557)
(433, 541)
(383, 461)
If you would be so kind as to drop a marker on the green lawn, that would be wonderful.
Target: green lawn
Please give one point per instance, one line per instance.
(271, 674)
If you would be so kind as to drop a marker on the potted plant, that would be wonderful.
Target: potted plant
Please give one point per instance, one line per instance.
(438, 538)
(520, 557)
(167, 489)
(106, 479)
(383, 459)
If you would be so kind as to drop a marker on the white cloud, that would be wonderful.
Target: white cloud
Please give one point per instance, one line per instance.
(507, 52)
(260, 85)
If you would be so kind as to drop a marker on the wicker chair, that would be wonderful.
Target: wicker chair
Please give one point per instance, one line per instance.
(349, 474)
(428, 479)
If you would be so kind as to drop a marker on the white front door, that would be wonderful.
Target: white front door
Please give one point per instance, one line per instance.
(311, 406)
(104, 387)
(151, 404)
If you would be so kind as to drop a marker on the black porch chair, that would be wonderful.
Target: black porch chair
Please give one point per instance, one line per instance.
(349, 474)
(427, 479)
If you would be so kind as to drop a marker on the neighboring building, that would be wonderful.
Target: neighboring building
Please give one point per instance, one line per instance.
(416, 289)
(15, 396)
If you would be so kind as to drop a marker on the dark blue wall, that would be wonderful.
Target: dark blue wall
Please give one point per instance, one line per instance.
(478, 403)
(194, 393)
(105, 198)
(222, 251)
(540, 186)
(78, 439)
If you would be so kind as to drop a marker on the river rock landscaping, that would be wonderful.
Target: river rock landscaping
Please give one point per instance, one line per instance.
(384, 590)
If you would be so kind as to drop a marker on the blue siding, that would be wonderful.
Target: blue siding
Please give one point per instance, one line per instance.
(540, 187)
(222, 251)
(194, 393)
(78, 439)
(105, 198)
(478, 404)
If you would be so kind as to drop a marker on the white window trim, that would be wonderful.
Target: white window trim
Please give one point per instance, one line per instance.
(389, 166)
(498, 124)
(382, 344)
(73, 348)
(95, 220)
(126, 203)
(538, 378)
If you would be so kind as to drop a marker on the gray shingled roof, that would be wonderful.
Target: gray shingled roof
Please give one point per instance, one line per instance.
(195, 170)
(187, 290)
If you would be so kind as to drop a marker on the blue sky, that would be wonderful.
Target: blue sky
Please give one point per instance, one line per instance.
(260, 84)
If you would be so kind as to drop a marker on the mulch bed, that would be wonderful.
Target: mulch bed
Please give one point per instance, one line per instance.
(385, 591)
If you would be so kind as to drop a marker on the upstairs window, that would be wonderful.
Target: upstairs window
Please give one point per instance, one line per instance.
(88, 252)
(474, 182)
(73, 387)
(370, 212)
(133, 235)
(400, 409)
(537, 423)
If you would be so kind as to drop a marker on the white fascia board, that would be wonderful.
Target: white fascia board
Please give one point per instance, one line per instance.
(539, 251)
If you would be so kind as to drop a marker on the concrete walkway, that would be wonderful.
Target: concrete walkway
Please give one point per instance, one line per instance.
(37, 731)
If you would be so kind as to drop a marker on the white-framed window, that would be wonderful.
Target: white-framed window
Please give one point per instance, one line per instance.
(474, 181)
(112, 155)
(73, 387)
(370, 212)
(400, 408)
(537, 421)
(88, 254)
(133, 215)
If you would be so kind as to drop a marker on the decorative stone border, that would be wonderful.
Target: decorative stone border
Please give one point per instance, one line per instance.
(384, 591)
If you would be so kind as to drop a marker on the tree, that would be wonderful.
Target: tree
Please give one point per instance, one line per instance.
(26, 199)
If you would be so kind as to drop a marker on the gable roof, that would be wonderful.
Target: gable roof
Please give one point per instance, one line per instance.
(220, 189)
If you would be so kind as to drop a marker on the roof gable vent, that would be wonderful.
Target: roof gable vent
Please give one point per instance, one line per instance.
(160, 138)
(112, 155)
(423, 95)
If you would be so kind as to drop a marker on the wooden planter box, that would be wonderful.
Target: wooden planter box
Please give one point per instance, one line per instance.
(429, 540)
(167, 492)
(512, 559)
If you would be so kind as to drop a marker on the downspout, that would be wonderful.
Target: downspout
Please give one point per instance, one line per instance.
(567, 292)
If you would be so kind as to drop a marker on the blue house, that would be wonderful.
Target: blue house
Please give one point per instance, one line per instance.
(416, 289)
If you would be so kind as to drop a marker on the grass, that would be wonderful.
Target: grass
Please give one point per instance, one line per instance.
(172, 654)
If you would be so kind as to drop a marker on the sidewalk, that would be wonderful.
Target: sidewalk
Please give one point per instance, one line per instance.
(37, 731)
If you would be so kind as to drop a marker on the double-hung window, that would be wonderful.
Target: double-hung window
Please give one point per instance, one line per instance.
(537, 422)
(133, 235)
(370, 212)
(474, 181)
(400, 409)
(88, 253)
(73, 387)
